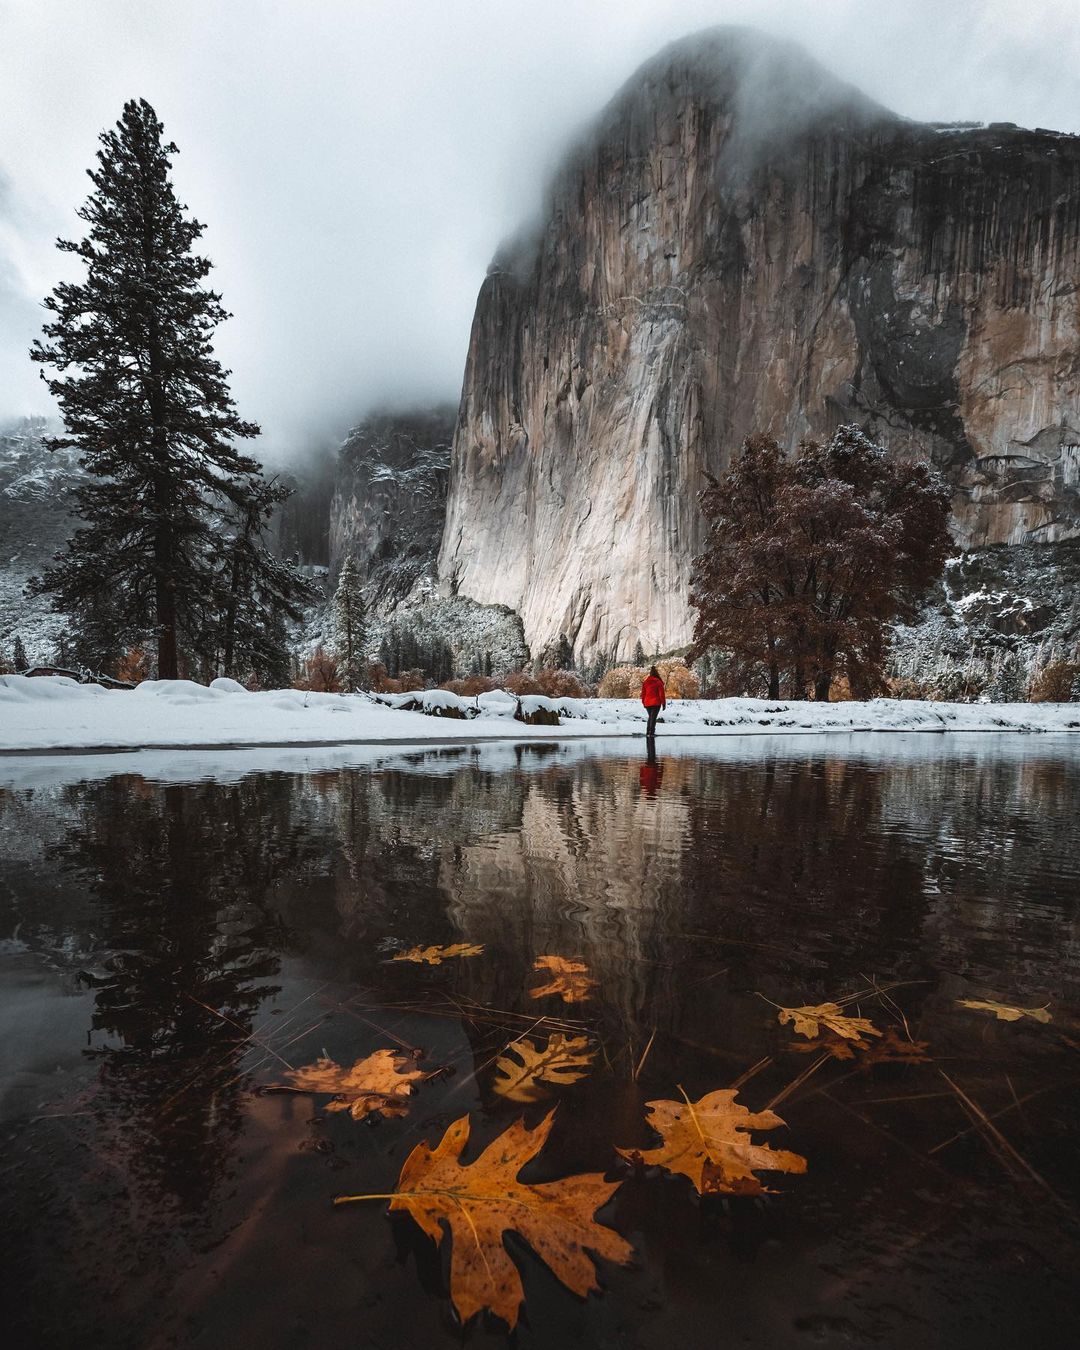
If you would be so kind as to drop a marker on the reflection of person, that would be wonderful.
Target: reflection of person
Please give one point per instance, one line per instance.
(654, 697)
(651, 773)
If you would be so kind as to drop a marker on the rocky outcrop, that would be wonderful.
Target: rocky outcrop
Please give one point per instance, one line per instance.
(389, 500)
(742, 243)
(36, 500)
(387, 511)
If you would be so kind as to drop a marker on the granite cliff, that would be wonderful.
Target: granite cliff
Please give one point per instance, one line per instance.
(743, 243)
(389, 500)
(387, 511)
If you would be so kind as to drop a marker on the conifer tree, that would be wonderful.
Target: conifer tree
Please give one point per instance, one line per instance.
(261, 592)
(147, 405)
(21, 663)
(347, 616)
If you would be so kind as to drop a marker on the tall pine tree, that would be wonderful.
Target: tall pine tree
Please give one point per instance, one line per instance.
(148, 407)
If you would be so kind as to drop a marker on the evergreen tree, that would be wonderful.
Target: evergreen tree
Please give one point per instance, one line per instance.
(147, 405)
(21, 663)
(347, 616)
(261, 591)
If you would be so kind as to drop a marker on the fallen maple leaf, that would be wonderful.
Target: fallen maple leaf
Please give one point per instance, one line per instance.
(890, 1049)
(809, 1021)
(481, 1201)
(434, 956)
(709, 1141)
(571, 980)
(1004, 1012)
(563, 1060)
(382, 1082)
(831, 1044)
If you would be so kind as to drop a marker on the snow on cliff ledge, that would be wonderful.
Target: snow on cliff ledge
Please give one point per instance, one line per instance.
(53, 714)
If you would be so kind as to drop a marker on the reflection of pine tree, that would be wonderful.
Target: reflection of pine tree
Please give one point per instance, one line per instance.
(180, 875)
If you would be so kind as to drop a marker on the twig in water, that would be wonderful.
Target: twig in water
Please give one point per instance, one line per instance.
(644, 1055)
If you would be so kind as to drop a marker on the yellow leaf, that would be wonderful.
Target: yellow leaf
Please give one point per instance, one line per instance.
(481, 1201)
(563, 1060)
(435, 956)
(1004, 1012)
(570, 979)
(709, 1141)
(382, 1082)
(809, 1021)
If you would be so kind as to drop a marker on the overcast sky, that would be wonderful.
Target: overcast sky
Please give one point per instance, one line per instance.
(358, 161)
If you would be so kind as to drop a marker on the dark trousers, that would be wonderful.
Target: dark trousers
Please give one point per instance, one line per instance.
(654, 713)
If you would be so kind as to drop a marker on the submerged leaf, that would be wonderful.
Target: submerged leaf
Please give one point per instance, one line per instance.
(809, 1021)
(709, 1141)
(570, 979)
(1004, 1012)
(563, 1060)
(890, 1049)
(481, 1201)
(831, 1044)
(382, 1082)
(434, 956)
(894, 1049)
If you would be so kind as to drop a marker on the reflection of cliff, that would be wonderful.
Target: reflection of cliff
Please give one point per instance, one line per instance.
(592, 870)
(744, 244)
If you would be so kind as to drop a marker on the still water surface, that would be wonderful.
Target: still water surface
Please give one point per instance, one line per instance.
(172, 943)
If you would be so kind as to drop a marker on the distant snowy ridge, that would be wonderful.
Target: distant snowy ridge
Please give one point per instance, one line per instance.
(54, 714)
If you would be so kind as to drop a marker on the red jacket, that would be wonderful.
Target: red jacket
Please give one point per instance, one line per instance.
(653, 694)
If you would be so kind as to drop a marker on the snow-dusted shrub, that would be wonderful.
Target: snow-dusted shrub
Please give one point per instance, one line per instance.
(134, 666)
(321, 674)
(626, 681)
(680, 680)
(555, 683)
(1054, 683)
(519, 682)
(622, 682)
(470, 686)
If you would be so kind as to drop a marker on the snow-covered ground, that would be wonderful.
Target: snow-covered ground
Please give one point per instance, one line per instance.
(49, 714)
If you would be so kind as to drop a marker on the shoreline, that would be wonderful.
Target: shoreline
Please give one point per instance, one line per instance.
(53, 716)
(550, 737)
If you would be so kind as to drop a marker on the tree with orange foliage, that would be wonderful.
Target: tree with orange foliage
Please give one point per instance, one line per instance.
(809, 558)
(321, 673)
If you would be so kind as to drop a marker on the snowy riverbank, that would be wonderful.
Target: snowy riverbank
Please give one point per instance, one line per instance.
(53, 714)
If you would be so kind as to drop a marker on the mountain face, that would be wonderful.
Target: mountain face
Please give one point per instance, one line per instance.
(36, 498)
(743, 244)
(388, 510)
(389, 500)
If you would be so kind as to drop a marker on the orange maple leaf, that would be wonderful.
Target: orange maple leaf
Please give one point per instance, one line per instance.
(479, 1202)
(382, 1082)
(435, 956)
(570, 979)
(709, 1141)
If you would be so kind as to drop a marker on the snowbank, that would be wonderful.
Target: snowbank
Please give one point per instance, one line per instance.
(56, 714)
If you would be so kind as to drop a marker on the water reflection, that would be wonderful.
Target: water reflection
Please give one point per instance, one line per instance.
(193, 916)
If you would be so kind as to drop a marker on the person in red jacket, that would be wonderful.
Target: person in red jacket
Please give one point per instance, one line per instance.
(654, 697)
